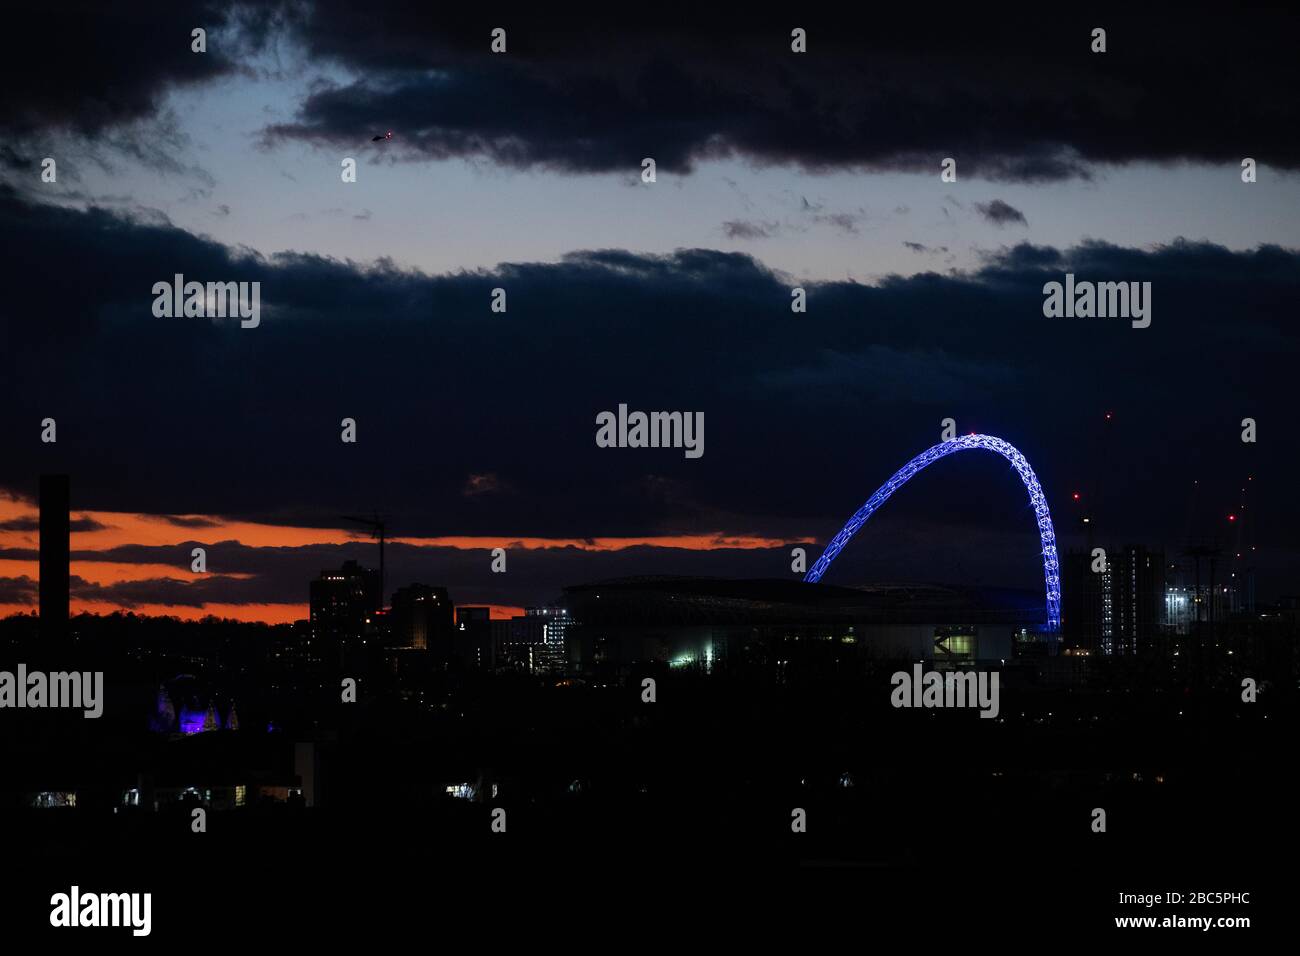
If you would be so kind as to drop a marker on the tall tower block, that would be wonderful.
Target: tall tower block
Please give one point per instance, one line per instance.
(55, 544)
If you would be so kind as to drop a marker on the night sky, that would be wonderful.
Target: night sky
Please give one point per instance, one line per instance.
(522, 171)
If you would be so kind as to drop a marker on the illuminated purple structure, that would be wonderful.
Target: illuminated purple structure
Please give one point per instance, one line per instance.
(198, 714)
(1051, 567)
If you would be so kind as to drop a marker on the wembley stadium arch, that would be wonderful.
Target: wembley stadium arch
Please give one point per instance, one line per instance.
(1047, 537)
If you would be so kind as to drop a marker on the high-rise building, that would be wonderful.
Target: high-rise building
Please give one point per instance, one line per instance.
(556, 623)
(55, 545)
(533, 641)
(521, 643)
(344, 602)
(1117, 606)
(473, 643)
(1180, 610)
(1139, 598)
(423, 619)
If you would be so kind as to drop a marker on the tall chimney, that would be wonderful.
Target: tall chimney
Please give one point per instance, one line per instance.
(55, 544)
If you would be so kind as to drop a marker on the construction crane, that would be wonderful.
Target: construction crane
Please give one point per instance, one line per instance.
(377, 525)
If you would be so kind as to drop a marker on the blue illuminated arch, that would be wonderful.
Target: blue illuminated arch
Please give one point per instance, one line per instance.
(1051, 568)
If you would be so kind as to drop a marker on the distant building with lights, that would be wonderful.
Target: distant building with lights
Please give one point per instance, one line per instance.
(1118, 609)
(473, 645)
(533, 641)
(785, 626)
(423, 618)
(186, 705)
(344, 602)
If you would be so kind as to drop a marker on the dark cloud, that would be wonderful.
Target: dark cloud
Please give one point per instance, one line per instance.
(33, 524)
(21, 590)
(1012, 98)
(194, 591)
(281, 575)
(1000, 213)
(846, 222)
(880, 372)
(12, 159)
(1025, 256)
(92, 66)
(745, 229)
(488, 484)
(805, 415)
(186, 521)
(921, 247)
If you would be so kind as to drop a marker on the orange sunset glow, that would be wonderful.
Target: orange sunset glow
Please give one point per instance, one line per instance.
(19, 542)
